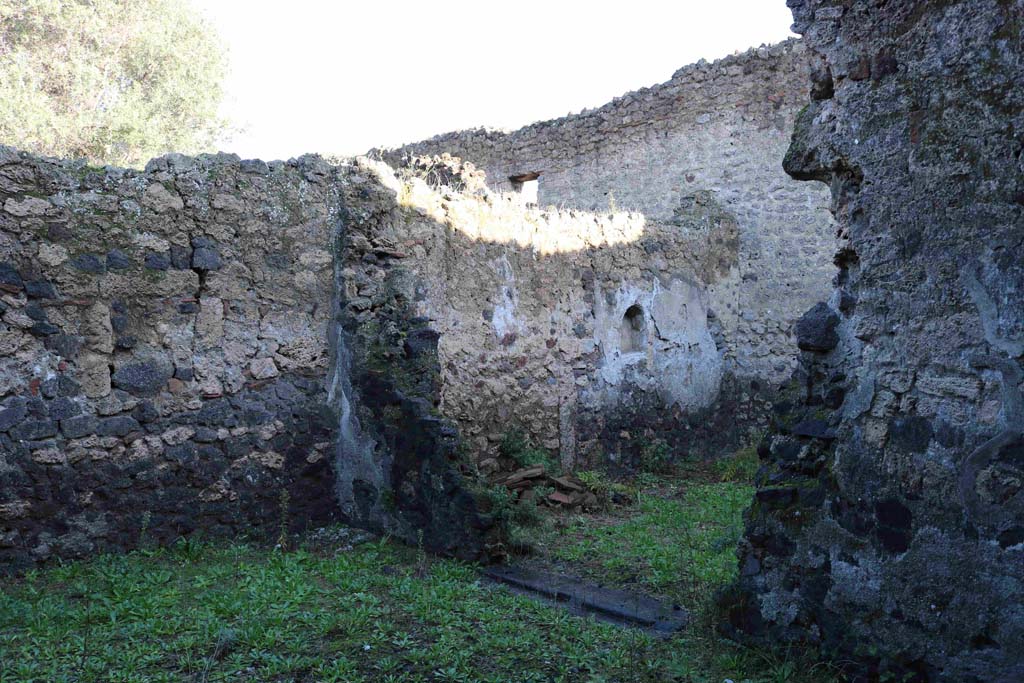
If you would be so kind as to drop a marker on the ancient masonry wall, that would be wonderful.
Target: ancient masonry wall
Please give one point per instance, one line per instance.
(177, 357)
(715, 129)
(587, 332)
(188, 346)
(162, 351)
(193, 346)
(889, 522)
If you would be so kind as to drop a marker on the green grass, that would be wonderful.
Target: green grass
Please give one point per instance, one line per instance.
(741, 466)
(378, 612)
(678, 541)
(375, 613)
(703, 524)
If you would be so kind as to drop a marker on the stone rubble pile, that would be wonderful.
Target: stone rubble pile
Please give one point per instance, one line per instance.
(563, 492)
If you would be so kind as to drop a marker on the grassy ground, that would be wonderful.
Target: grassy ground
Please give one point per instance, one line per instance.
(677, 540)
(382, 612)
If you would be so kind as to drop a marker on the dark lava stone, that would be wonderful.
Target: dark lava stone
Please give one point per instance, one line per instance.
(141, 379)
(910, 434)
(146, 412)
(894, 523)
(12, 415)
(35, 311)
(59, 386)
(181, 257)
(65, 345)
(157, 261)
(206, 258)
(33, 430)
(40, 289)
(79, 426)
(118, 260)
(10, 278)
(420, 342)
(89, 263)
(63, 408)
(44, 329)
(816, 329)
(120, 425)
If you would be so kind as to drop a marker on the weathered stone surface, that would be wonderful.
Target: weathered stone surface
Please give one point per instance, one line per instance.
(900, 558)
(528, 308)
(26, 206)
(14, 411)
(32, 430)
(117, 426)
(60, 409)
(96, 328)
(181, 257)
(160, 199)
(117, 260)
(52, 254)
(10, 279)
(94, 374)
(206, 258)
(157, 260)
(89, 263)
(40, 289)
(263, 368)
(209, 324)
(123, 283)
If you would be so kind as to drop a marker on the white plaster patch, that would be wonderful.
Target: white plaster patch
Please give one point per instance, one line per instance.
(685, 366)
(507, 300)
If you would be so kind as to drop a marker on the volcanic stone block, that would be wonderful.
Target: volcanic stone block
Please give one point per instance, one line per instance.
(816, 329)
(142, 379)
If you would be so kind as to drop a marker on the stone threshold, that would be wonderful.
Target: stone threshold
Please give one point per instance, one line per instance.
(623, 608)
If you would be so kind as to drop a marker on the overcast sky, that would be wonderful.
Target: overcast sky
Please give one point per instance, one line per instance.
(340, 77)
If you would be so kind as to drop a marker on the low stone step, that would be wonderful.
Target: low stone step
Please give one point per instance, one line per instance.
(625, 608)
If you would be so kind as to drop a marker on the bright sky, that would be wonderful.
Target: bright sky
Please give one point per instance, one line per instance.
(340, 77)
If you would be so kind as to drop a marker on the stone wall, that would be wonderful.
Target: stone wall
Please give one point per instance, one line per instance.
(176, 358)
(587, 332)
(888, 527)
(403, 466)
(188, 346)
(162, 351)
(715, 129)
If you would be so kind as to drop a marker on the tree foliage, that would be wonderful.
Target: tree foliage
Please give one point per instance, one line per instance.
(115, 81)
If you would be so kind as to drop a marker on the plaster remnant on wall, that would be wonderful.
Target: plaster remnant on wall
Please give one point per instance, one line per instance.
(682, 363)
(714, 131)
(503, 315)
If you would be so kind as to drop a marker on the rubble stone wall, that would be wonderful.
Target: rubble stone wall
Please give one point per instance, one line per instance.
(715, 129)
(162, 351)
(888, 526)
(586, 332)
(180, 355)
(231, 345)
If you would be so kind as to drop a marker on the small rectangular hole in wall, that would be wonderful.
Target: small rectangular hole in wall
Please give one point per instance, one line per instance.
(527, 186)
